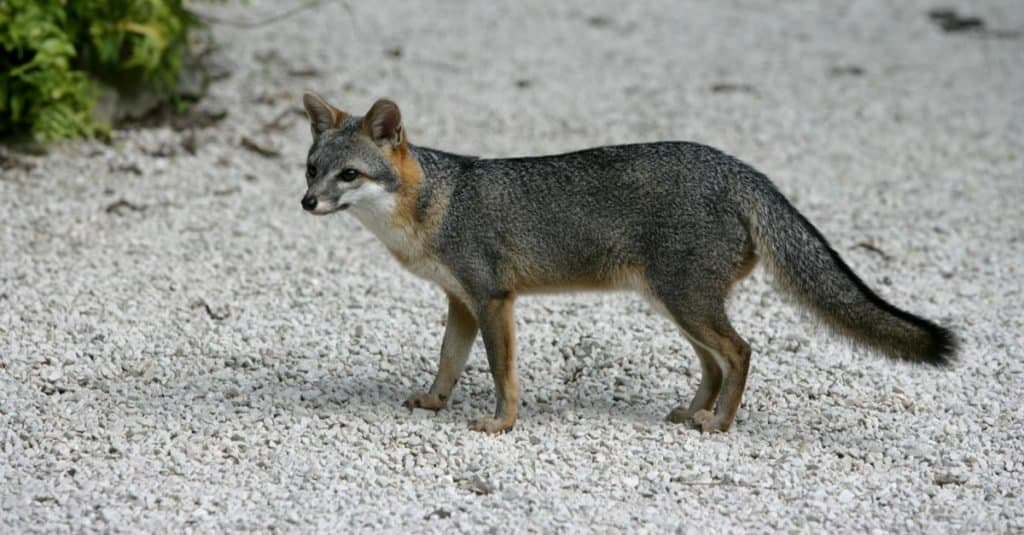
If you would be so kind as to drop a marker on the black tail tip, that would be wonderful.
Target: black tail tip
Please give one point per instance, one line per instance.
(942, 347)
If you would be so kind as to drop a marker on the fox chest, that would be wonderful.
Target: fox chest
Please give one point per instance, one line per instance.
(411, 249)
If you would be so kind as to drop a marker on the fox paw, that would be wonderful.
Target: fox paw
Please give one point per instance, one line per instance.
(708, 422)
(427, 401)
(680, 415)
(491, 425)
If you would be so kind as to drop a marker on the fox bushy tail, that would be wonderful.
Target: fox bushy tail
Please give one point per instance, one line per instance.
(805, 265)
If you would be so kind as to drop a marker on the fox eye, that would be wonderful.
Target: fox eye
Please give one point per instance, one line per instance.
(348, 174)
(311, 170)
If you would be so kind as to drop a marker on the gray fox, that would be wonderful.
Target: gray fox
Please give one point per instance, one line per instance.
(677, 222)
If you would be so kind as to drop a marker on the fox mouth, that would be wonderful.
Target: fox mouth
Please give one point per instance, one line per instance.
(325, 211)
(311, 205)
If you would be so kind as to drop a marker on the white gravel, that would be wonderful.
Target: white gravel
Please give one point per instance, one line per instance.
(127, 405)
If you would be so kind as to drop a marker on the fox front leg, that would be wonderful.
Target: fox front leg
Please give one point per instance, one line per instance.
(459, 333)
(497, 326)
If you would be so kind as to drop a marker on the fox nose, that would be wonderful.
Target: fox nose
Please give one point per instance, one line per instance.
(309, 202)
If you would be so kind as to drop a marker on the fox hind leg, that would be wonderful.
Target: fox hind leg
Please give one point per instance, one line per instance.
(707, 392)
(734, 352)
(700, 315)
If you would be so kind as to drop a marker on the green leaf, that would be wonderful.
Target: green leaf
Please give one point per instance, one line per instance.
(48, 48)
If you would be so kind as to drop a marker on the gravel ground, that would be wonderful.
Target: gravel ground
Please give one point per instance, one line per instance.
(181, 348)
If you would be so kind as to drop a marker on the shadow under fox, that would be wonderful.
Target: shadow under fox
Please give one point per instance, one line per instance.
(677, 222)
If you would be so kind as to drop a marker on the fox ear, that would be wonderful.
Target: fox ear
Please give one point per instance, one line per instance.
(383, 123)
(322, 115)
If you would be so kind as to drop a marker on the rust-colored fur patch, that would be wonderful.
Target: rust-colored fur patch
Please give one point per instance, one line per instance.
(411, 174)
(618, 277)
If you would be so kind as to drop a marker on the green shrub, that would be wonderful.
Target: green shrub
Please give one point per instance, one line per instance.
(52, 51)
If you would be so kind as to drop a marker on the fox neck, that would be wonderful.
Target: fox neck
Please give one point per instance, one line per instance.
(381, 214)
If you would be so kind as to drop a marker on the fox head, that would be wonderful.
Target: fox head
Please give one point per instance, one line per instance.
(357, 163)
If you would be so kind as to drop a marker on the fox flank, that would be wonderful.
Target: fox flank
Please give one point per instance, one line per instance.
(678, 222)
